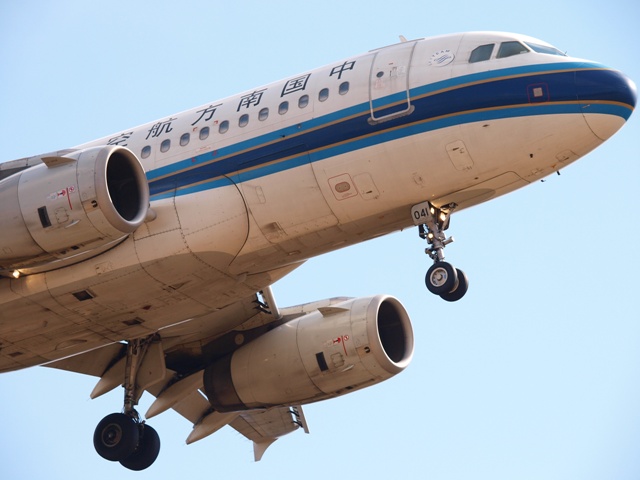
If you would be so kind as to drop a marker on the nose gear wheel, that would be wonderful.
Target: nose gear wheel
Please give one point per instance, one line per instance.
(441, 278)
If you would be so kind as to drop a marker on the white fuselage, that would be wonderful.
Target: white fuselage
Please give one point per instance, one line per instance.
(246, 188)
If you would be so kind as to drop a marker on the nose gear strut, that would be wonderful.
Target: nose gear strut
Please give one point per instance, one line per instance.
(442, 278)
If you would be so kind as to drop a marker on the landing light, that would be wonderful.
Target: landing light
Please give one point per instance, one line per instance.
(15, 274)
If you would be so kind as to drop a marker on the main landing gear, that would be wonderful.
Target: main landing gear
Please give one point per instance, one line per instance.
(124, 437)
(442, 278)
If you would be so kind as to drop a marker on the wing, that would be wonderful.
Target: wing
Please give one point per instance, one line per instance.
(172, 371)
(14, 166)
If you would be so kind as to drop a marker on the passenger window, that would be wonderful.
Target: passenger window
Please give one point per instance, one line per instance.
(509, 49)
(303, 101)
(343, 88)
(263, 114)
(184, 139)
(146, 151)
(165, 145)
(283, 108)
(224, 126)
(481, 53)
(243, 120)
(204, 133)
(323, 94)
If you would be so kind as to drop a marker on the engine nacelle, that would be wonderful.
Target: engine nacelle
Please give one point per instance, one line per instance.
(323, 354)
(70, 205)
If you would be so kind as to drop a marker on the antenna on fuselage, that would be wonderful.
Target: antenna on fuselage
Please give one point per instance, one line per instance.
(403, 39)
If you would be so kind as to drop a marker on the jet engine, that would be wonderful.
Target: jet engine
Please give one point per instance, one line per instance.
(326, 353)
(70, 205)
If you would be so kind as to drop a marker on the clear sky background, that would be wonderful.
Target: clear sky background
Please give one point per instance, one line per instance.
(533, 375)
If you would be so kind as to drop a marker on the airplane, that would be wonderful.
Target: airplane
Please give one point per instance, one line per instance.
(146, 258)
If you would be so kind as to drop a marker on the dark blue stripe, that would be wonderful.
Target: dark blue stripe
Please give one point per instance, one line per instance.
(606, 86)
(362, 108)
(348, 130)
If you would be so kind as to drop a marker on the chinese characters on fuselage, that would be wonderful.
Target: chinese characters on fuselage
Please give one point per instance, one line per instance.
(253, 99)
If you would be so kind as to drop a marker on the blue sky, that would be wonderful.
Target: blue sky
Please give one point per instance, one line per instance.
(534, 374)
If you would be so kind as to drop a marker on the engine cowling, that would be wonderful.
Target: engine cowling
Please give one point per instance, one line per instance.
(323, 354)
(71, 204)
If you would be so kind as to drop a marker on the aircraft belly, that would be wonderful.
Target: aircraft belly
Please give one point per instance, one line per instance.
(481, 192)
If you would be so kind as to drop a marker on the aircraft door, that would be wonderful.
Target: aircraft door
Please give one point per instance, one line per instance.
(389, 82)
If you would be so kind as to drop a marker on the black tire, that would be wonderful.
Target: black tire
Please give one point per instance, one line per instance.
(441, 278)
(460, 290)
(147, 451)
(116, 437)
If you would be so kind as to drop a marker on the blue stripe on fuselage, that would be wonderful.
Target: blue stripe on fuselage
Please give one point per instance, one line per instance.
(470, 98)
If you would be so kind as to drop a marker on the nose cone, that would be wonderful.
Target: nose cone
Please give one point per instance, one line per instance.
(607, 99)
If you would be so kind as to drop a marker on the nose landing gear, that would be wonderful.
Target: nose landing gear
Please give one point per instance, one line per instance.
(442, 278)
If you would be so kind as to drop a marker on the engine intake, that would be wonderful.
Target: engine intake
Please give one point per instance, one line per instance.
(323, 354)
(70, 205)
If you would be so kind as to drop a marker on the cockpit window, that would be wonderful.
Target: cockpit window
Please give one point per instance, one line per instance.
(481, 53)
(545, 49)
(509, 49)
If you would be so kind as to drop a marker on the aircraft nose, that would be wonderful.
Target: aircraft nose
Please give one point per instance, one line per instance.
(607, 99)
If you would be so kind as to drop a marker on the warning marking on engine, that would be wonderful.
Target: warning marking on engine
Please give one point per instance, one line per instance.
(64, 193)
(339, 341)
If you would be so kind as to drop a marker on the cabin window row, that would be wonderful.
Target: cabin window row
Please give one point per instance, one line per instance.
(243, 120)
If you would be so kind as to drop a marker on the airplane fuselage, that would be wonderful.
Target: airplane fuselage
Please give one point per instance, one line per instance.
(245, 189)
